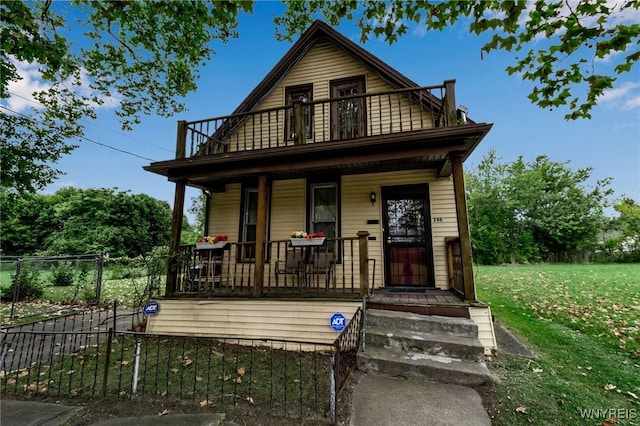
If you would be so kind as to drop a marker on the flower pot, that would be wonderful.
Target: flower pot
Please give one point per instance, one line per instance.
(307, 242)
(212, 246)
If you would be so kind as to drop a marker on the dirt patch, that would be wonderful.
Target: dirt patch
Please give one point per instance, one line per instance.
(509, 344)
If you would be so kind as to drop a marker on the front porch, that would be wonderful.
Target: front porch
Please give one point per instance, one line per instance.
(341, 268)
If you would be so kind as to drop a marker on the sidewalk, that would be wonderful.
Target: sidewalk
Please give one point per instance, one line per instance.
(377, 401)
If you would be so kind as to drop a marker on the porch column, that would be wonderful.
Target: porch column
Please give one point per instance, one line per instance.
(176, 234)
(463, 228)
(178, 215)
(261, 235)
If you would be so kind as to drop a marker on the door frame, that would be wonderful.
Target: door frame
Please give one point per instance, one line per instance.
(405, 191)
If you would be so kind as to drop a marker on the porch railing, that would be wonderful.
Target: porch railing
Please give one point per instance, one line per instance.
(333, 269)
(381, 113)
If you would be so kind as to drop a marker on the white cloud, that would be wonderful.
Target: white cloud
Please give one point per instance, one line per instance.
(627, 96)
(21, 91)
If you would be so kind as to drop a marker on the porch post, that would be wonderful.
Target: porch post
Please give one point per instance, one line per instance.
(178, 215)
(261, 235)
(463, 228)
(363, 244)
(176, 233)
(450, 102)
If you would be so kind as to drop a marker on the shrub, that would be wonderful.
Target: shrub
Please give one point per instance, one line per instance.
(62, 274)
(30, 285)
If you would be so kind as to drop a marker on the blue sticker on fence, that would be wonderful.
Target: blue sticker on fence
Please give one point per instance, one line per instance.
(338, 321)
(151, 308)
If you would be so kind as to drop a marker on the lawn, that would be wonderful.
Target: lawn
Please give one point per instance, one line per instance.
(583, 322)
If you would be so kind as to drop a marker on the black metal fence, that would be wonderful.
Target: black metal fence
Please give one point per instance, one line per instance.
(87, 357)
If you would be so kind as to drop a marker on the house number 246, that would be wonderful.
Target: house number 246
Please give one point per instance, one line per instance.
(437, 219)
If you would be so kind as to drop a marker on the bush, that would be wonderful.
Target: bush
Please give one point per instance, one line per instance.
(62, 274)
(30, 285)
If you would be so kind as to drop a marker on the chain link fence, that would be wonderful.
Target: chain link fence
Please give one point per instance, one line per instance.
(33, 288)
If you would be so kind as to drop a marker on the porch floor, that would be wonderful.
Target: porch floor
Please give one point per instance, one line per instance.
(421, 301)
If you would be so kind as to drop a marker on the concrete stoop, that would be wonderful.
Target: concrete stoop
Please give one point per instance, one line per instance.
(424, 347)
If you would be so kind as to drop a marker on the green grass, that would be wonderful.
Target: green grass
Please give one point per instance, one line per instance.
(583, 322)
(58, 298)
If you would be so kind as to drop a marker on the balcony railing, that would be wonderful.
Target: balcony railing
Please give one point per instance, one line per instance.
(330, 270)
(363, 115)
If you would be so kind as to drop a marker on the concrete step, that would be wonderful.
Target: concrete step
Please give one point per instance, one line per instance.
(434, 324)
(421, 366)
(467, 348)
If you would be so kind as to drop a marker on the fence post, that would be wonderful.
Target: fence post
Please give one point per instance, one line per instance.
(333, 388)
(364, 262)
(107, 360)
(16, 288)
(99, 278)
(136, 368)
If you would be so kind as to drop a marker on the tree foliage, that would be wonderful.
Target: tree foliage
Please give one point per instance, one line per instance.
(558, 42)
(143, 56)
(531, 211)
(76, 221)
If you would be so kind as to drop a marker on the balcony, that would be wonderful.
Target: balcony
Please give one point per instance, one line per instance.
(411, 128)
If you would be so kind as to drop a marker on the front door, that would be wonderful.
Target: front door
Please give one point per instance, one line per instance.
(407, 236)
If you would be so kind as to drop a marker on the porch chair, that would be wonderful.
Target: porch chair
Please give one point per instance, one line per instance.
(323, 264)
(292, 265)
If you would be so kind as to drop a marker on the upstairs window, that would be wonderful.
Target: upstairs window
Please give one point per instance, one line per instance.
(348, 116)
(299, 93)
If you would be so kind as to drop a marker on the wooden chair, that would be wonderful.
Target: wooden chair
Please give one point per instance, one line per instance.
(292, 265)
(322, 264)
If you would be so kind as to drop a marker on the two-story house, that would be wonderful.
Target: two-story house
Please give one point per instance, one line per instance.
(332, 142)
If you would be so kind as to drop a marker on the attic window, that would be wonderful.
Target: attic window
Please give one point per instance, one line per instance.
(303, 93)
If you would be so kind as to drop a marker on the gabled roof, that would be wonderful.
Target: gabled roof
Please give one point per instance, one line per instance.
(316, 32)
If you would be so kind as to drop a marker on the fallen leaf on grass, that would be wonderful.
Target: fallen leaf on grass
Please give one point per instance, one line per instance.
(521, 409)
(198, 379)
(609, 387)
(164, 412)
(241, 371)
(205, 402)
(174, 370)
(538, 370)
(610, 421)
(633, 395)
(250, 400)
(238, 380)
(187, 362)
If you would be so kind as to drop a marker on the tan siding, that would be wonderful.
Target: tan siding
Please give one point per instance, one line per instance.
(486, 334)
(443, 207)
(288, 201)
(251, 319)
(224, 217)
(323, 63)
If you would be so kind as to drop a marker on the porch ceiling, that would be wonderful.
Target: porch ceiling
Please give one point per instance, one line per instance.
(415, 150)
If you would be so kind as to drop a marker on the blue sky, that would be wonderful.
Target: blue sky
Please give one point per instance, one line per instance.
(609, 142)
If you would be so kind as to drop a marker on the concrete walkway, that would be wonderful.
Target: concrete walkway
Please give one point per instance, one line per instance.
(377, 401)
(386, 401)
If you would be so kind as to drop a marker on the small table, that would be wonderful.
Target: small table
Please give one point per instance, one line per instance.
(210, 259)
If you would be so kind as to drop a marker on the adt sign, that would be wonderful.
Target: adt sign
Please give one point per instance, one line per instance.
(151, 308)
(338, 321)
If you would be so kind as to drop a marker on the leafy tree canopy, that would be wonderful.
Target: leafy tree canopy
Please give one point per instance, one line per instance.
(531, 211)
(76, 221)
(145, 55)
